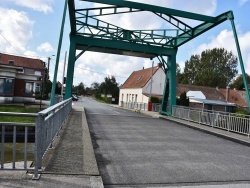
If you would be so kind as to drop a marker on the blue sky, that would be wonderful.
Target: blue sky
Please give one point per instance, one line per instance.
(32, 27)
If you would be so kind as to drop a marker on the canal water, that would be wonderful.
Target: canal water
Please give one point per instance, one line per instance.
(8, 152)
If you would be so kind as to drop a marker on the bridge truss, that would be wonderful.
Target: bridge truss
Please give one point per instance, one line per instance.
(90, 33)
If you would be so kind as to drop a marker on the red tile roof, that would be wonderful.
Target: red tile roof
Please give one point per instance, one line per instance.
(140, 78)
(21, 61)
(235, 96)
(211, 93)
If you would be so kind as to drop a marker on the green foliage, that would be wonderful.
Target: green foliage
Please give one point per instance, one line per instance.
(216, 67)
(184, 101)
(155, 100)
(108, 87)
(241, 111)
(178, 101)
(79, 90)
(19, 109)
(238, 82)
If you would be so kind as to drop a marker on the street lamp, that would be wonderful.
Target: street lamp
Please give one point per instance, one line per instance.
(49, 58)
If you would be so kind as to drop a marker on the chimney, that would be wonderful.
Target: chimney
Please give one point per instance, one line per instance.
(227, 94)
(160, 65)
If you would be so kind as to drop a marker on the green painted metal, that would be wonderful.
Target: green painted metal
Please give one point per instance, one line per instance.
(169, 96)
(89, 33)
(52, 98)
(241, 63)
(157, 9)
(71, 67)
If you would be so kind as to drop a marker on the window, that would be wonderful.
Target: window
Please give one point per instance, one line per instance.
(1, 85)
(6, 86)
(28, 88)
(38, 73)
(11, 62)
(37, 89)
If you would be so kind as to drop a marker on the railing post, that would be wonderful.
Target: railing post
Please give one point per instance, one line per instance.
(248, 127)
(38, 146)
(199, 117)
(228, 122)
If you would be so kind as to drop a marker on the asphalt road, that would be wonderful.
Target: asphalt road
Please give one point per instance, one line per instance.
(133, 150)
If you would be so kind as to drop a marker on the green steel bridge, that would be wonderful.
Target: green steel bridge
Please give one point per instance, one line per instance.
(90, 33)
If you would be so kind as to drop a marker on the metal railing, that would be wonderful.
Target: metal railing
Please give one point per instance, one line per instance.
(135, 105)
(156, 107)
(227, 121)
(48, 123)
(141, 106)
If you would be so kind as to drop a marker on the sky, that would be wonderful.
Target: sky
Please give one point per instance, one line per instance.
(31, 28)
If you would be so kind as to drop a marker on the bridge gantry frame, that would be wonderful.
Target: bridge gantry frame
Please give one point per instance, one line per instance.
(88, 33)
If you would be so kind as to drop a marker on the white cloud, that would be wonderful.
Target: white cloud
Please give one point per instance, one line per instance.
(16, 27)
(110, 65)
(46, 47)
(122, 66)
(38, 5)
(225, 39)
(242, 2)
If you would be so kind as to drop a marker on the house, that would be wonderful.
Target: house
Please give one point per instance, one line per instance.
(137, 88)
(213, 98)
(20, 78)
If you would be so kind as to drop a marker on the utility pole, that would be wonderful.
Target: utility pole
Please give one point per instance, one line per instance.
(49, 58)
(63, 72)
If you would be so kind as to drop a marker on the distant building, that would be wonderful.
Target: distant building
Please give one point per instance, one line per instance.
(20, 78)
(212, 98)
(138, 85)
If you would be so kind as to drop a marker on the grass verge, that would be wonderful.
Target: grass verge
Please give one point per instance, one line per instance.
(18, 109)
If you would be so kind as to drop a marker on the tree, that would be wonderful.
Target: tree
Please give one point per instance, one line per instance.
(110, 86)
(184, 100)
(95, 87)
(216, 67)
(81, 89)
(238, 82)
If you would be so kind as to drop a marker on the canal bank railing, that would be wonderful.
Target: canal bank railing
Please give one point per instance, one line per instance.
(48, 123)
(141, 106)
(228, 121)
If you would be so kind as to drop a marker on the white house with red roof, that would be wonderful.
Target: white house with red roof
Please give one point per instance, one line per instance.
(137, 88)
(20, 78)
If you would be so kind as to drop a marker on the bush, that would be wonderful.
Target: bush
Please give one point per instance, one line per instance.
(241, 111)
(155, 100)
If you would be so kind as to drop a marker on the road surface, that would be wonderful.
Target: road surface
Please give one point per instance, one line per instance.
(133, 150)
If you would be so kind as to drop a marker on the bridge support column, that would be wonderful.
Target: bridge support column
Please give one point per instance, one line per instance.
(70, 70)
(169, 93)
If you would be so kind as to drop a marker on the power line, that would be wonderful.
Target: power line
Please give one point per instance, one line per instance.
(99, 72)
(10, 43)
(38, 57)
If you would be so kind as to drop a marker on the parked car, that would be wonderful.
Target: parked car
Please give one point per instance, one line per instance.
(74, 98)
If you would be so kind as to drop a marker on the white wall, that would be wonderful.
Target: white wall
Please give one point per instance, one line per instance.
(132, 95)
(157, 89)
(158, 83)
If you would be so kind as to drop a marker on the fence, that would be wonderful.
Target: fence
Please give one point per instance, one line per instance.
(227, 121)
(48, 123)
(141, 106)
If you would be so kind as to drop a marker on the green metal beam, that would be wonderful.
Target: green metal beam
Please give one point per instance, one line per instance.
(52, 97)
(92, 12)
(122, 46)
(157, 9)
(72, 16)
(70, 70)
(198, 30)
(241, 64)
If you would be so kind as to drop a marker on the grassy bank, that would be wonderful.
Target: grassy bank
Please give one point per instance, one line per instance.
(18, 109)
